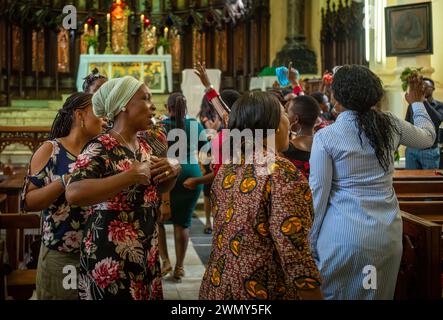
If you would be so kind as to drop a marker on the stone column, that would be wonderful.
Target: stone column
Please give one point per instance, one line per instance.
(295, 49)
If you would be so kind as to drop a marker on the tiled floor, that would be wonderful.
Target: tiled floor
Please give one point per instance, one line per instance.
(198, 250)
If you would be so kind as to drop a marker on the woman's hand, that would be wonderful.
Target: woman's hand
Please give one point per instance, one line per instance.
(190, 184)
(416, 90)
(292, 74)
(200, 71)
(140, 172)
(163, 169)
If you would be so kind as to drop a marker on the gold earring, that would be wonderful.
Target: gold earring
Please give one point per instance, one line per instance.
(83, 123)
(278, 130)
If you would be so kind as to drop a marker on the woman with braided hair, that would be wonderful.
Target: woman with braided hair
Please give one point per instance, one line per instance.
(93, 81)
(356, 236)
(44, 190)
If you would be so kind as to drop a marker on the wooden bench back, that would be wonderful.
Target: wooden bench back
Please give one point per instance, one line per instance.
(418, 186)
(16, 244)
(2, 272)
(420, 270)
(429, 210)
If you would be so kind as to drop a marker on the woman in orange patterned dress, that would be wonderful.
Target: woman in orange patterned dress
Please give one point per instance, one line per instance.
(262, 217)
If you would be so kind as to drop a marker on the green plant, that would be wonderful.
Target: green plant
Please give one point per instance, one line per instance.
(406, 74)
(91, 41)
(163, 42)
(397, 156)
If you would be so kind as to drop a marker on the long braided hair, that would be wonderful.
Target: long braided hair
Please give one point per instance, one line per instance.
(61, 127)
(357, 88)
(91, 78)
(177, 105)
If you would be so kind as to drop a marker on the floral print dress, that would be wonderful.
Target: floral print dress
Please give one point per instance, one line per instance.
(119, 252)
(62, 224)
(260, 249)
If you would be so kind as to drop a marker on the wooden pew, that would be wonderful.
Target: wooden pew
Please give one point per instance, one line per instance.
(420, 270)
(417, 175)
(3, 291)
(429, 210)
(12, 186)
(419, 190)
(3, 198)
(20, 282)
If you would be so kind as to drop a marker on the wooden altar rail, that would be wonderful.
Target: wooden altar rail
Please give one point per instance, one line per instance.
(31, 137)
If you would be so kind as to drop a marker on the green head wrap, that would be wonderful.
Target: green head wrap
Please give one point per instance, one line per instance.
(114, 95)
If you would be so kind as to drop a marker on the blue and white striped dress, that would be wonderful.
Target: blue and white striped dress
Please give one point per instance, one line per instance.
(357, 220)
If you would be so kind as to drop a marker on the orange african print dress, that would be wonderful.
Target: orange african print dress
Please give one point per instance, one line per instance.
(261, 224)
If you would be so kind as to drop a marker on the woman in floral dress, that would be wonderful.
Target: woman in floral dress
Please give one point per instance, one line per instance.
(262, 217)
(121, 180)
(48, 172)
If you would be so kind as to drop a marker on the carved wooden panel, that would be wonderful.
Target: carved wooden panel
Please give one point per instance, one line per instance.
(419, 276)
(342, 34)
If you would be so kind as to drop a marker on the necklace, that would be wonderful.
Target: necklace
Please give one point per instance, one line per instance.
(127, 144)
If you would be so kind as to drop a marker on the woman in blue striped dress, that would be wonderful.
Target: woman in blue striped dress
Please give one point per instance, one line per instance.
(356, 236)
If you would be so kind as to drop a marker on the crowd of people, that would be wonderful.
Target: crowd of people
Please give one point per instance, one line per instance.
(303, 224)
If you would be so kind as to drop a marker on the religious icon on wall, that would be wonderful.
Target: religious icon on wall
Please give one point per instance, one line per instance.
(119, 33)
(409, 29)
(196, 46)
(38, 51)
(175, 40)
(149, 40)
(63, 51)
(221, 52)
(17, 41)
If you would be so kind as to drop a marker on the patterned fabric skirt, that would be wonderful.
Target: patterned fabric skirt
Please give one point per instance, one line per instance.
(119, 256)
(57, 275)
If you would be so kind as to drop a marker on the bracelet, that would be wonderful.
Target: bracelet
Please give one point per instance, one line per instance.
(211, 94)
(207, 89)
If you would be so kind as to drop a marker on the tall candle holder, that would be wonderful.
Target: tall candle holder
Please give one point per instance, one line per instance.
(141, 50)
(125, 32)
(108, 49)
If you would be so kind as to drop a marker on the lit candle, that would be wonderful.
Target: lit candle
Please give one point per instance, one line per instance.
(86, 28)
(108, 17)
(154, 29)
(142, 20)
(96, 29)
(166, 32)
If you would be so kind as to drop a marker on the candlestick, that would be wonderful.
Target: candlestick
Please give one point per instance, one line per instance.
(86, 28)
(166, 32)
(142, 21)
(96, 30)
(108, 49)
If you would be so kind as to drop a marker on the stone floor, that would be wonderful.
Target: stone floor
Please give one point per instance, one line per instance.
(196, 257)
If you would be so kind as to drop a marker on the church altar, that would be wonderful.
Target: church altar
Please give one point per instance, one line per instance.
(148, 68)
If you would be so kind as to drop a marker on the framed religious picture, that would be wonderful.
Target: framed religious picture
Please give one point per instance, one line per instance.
(409, 29)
